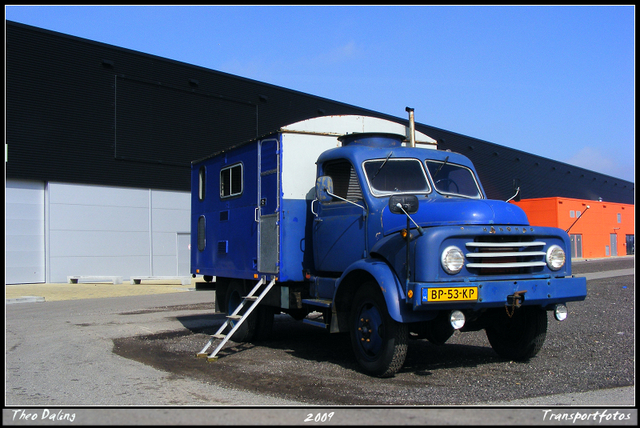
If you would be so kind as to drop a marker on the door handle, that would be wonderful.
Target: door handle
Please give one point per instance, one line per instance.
(318, 219)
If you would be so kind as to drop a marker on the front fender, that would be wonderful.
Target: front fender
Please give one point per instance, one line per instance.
(390, 286)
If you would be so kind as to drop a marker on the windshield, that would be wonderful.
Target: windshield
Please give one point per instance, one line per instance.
(452, 179)
(393, 176)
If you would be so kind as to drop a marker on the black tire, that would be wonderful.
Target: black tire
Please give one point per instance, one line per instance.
(437, 331)
(379, 342)
(264, 322)
(298, 314)
(519, 337)
(234, 295)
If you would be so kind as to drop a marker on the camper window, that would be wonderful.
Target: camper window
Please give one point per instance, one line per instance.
(201, 233)
(231, 181)
(201, 182)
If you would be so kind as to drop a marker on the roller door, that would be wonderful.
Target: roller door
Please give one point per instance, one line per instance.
(24, 236)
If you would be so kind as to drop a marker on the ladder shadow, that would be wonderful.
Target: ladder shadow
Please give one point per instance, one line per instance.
(203, 323)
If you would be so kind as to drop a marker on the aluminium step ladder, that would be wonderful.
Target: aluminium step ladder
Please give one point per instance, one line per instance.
(251, 297)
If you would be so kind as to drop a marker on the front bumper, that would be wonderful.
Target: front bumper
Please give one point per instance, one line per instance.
(486, 294)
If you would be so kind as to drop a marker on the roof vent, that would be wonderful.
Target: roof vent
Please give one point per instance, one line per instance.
(372, 139)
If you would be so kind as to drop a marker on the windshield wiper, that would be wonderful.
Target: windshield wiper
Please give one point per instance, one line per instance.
(383, 164)
(439, 168)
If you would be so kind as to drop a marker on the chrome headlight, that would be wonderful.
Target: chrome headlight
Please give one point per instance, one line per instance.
(555, 257)
(560, 312)
(452, 260)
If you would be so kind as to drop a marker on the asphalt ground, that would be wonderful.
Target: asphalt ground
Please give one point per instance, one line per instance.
(592, 269)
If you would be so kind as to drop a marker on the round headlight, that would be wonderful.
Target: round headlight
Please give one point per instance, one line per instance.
(457, 319)
(555, 257)
(452, 260)
(560, 312)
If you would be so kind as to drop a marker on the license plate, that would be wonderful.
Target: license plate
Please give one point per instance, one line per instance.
(450, 294)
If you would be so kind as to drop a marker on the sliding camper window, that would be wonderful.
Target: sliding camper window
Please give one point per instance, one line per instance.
(231, 181)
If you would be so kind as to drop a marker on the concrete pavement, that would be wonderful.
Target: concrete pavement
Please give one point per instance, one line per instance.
(50, 292)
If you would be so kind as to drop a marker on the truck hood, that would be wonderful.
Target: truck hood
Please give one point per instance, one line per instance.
(449, 212)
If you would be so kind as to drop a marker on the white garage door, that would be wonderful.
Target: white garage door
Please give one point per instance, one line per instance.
(24, 236)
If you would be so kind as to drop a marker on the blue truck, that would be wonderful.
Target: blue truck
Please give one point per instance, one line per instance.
(361, 225)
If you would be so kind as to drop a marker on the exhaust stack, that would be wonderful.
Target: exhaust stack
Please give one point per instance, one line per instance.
(412, 128)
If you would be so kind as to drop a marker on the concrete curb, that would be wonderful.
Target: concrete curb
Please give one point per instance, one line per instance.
(607, 274)
(25, 299)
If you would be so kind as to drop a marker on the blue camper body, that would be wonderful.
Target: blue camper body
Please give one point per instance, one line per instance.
(364, 221)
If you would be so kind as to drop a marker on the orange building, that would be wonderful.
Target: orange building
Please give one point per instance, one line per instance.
(597, 229)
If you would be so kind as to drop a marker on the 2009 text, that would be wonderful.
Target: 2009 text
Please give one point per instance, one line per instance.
(319, 417)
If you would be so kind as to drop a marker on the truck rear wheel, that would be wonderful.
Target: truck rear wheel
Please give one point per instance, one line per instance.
(264, 322)
(379, 342)
(234, 296)
(519, 337)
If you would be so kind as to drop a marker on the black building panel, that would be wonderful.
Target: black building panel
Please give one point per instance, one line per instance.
(501, 169)
(79, 111)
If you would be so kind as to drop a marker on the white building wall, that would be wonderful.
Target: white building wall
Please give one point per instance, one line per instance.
(62, 230)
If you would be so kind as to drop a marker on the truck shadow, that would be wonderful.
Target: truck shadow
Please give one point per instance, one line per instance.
(313, 344)
(305, 363)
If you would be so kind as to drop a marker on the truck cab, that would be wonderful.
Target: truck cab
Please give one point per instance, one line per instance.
(397, 240)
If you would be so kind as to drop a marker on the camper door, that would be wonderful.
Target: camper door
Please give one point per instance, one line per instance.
(268, 206)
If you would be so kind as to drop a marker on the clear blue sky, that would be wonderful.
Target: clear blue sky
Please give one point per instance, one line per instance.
(555, 81)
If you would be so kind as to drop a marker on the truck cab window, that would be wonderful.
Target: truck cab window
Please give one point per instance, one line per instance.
(452, 179)
(393, 176)
(345, 180)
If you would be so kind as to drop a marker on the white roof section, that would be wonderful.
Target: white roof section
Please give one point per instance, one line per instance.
(349, 124)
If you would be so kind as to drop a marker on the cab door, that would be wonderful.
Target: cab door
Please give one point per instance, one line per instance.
(340, 224)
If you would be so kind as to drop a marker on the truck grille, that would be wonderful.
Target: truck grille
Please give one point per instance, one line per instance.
(505, 256)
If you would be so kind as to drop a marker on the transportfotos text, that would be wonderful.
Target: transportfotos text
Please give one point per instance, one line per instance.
(596, 416)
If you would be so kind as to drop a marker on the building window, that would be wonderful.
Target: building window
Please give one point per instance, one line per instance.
(202, 179)
(619, 218)
(572, 213)
(231, 181)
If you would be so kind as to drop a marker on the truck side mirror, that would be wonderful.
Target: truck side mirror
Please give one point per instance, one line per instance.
(324, 188)
(516, 189)
(408, 202)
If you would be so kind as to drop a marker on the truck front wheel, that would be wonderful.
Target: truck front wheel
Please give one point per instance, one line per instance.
(520, 336)
(379, 342)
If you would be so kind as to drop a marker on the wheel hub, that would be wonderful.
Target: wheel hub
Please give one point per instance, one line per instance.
(369, 327)
(365, 330)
